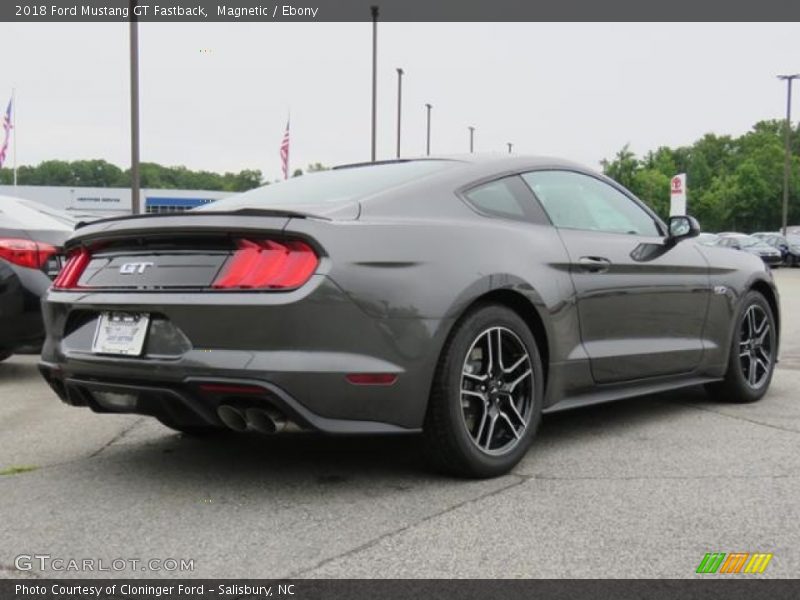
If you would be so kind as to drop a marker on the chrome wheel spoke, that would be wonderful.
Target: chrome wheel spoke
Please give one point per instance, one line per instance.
(748, 318)
(764, 355)
(762, 335)
(511, 427)
(490, 366)
(483, 377)
(482, 425)
(490, 434)
(761, 363)
(512, 386)
(499, 347)
(752, 372)
(522, 360)
(760, 327)
(515, 412)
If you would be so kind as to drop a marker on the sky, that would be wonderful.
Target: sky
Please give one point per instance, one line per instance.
(216, 96)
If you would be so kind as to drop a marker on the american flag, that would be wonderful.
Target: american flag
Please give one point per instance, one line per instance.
(7, 126)
(285, 152)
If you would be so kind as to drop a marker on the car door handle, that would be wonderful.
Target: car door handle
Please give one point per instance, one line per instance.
(594, 264)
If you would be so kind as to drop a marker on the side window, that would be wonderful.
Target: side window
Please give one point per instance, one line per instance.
(508, 198)
(576, 201)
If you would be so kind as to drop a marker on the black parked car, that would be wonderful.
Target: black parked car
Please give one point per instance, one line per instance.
(751, 245)
(460, 298)
(788, 246)
(31, 239)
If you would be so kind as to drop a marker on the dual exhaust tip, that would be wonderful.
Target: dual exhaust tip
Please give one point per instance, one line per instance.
(263, 420)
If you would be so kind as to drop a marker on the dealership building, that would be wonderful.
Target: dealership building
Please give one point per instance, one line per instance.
(95, 202)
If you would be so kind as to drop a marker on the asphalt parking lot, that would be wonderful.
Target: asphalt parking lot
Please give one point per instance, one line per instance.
(640, 488)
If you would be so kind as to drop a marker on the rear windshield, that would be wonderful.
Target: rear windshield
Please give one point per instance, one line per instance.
(329, 187)
(746, 241)
(25, 214)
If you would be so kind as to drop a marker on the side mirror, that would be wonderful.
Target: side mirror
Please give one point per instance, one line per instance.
(682, 227)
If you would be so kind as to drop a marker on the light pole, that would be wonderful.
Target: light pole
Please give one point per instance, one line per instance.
(134, 42)
(510, 145)
(399, 106)
(787, 167)
(471, 139)
(374, 10)
(428, 137)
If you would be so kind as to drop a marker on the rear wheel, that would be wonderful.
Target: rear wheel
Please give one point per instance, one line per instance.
(486, 400)
(752, 354)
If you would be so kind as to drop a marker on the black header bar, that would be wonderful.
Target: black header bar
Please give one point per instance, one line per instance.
(398, 10)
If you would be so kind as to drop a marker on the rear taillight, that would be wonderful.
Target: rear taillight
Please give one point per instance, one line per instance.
(73, 269)
(26, 253)
(265, 264)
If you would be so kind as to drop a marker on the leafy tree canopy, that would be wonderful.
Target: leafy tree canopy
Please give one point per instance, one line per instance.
(734, 183)
(99, 173)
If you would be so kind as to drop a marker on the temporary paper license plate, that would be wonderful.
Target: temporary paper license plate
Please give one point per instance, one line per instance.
(120, 333)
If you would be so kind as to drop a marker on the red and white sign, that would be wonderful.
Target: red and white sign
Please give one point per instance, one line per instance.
(677, 203)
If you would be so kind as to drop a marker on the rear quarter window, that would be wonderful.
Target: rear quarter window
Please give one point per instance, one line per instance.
(506, 198)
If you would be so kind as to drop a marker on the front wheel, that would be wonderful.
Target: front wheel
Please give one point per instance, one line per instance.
(486, 400)
(753, 353)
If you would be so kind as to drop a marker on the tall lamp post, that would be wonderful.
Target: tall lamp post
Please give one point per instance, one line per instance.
(399, 106)
(787, 167)
(471, 139)
(134, 43)
(374, 10)
(428, 136)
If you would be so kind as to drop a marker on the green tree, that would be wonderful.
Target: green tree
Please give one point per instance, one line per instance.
(99, 173)
(733, 183)
(623, 168)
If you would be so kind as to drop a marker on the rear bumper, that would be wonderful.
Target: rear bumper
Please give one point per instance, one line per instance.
(297, 347)
(188, 402)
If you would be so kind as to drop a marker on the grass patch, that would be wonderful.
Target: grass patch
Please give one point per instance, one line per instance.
(17, 470)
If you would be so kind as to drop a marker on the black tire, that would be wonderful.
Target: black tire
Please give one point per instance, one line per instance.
(4, 355)
(741, 384)
(453, 432)
(194, 430)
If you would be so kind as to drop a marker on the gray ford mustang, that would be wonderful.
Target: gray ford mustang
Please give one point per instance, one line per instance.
(456, 297)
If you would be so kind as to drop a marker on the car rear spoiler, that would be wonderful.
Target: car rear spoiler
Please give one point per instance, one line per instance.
(255, 212)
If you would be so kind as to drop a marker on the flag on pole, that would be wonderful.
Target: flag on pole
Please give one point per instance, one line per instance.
(285, 152)
(7, 126)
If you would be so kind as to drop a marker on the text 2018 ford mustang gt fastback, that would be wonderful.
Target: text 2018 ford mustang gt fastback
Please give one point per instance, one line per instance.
(456, 297)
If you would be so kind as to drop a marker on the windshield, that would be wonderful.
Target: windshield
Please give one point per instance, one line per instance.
(746, 241)
(330, 187)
